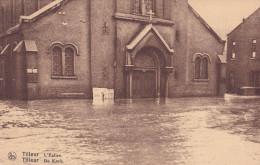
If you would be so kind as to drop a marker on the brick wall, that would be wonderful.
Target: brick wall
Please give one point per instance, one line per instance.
(101, 40)
(193, 37)
(243, 64)
(66, 26)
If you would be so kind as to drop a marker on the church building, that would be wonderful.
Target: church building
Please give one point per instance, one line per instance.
(138, 48)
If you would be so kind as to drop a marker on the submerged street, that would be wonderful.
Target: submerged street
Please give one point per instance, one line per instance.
(178, 131)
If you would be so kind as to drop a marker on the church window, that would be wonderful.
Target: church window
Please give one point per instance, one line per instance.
(137, 6)
(254, 49)
(204, 68)
(201, 66)
(197, 67)
(63, 60)
(149, 5)
(69, 62)
(143, 6)
(57, 61)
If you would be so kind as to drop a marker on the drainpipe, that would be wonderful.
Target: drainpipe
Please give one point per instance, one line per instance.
(90, 48)
(116, 53)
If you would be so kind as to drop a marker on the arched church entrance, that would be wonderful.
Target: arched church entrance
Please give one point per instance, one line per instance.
(148, 64)
(147, 74)
(144, 76)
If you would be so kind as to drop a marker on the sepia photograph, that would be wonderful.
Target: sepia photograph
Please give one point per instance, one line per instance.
(129, 82)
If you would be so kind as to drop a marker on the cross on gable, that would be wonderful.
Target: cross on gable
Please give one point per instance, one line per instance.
(150, 13)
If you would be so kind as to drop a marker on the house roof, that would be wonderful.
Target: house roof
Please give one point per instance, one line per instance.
(43, 10)
(143, 33)
(204, 23)
(4, 51)
(244, 20)
(33, 16)
(18, 47)
(30, 46)
(222, 59)
(57, 3)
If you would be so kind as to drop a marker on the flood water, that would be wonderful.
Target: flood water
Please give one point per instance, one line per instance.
(178, 131)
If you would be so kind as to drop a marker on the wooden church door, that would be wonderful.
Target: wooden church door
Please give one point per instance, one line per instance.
(149, 84)
(144, 77)
(144, 84)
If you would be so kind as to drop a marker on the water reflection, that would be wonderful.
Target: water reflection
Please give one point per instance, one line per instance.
(149, 131)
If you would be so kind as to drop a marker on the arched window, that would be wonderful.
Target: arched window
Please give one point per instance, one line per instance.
(63, 59)
(69, 62)
(197, 67)
(201, 66)
(204, 68)
(57, 61)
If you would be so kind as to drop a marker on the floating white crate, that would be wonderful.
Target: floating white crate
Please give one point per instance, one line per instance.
(103, 95)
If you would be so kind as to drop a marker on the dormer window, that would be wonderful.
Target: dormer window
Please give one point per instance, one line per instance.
(143, 6)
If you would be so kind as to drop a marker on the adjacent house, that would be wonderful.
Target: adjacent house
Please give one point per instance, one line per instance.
(243, 56)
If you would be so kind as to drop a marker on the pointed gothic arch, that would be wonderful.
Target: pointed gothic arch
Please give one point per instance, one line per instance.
(148, 64)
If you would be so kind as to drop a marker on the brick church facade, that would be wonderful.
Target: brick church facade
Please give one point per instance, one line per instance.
(139, 48)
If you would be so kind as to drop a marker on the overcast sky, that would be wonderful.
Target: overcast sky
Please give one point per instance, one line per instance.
(224, 15)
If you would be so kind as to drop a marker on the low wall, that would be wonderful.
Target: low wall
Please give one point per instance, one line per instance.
(249, 91)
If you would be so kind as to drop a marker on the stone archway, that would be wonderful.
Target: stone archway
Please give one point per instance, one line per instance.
(147, 77)
(148, 62)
